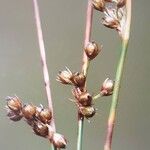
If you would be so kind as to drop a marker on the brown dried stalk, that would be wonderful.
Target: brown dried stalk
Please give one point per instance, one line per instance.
(44, 64)
(43, 59)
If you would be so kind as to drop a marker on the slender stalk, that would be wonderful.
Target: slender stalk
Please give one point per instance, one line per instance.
(88, 28)
(97, 96)
(85, 65)
(43, 61)
(80, 133)
(113, 109)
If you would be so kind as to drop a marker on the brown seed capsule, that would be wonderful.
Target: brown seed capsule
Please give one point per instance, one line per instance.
(78, 79)
(40, 129)
(111, 19)
(29, 111)
(85, 99)
(64, 76)
(14, 116)
(14, 103)
(99, 4)
(45, 116)
(92, 50)
(87, 112)
(59, 140)
(107, 87)
(121, 3)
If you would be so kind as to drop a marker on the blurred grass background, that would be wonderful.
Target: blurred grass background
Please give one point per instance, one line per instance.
(63, 25)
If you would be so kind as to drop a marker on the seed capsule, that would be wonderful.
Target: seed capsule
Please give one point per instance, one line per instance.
(14, 103)
(78, 79)
(40, 129)
(121, 3)
(85, 99)
(99, 4)
(29, 111)
(45, 116)
(107, 87)
(87, 112)
(92, 50)
(64, 76)
(14, 116)
(59, 140)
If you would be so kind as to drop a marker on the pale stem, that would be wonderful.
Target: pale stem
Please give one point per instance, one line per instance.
(43, 61)
(85, 65)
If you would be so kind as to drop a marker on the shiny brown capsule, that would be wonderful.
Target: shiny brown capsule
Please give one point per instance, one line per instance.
(121, 3)
(99, 4)
(14, 103)
(45, 116)
(87, 112)
(107, 87)
(40, 129)
(29, 111)
(64, 76)
(14, 116)
(78, 79)
(85, 99)
(92, 50)
(59, 140)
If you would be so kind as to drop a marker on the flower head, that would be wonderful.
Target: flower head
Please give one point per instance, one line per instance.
(65, 76)
(107, 87)
(59, 140)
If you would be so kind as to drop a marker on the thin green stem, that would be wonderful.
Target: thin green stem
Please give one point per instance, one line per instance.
(97, 96)
(119, 72)
(80, 134)
(112, 115)
(53, 148)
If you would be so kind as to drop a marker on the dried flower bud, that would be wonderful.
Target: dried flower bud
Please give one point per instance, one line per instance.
(78, 79)
(107, 87)
(85, 99)
(40, 129)
(45, 116)
(87, 112)
(99, 4)
(121, 3)
(14, 103)
(92, 50)
(38, 110)
(29, 111)
(59, 140)
(14, 116)
(111, 19)
(65, 76)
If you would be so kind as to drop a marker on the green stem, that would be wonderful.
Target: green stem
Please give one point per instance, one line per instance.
(112, 115)
(97, 96)
(80, 133)
(53, 147)
(113, 109)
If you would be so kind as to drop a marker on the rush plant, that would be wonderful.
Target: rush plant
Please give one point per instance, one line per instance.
(116, 16)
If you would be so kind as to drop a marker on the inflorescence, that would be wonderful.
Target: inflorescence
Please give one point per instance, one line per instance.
(38, 117)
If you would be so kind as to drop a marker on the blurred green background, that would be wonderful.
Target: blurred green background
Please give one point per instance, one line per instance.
(63, 25)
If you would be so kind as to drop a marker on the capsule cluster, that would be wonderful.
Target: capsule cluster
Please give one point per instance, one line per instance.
(84, 103)
(83, 99)
(38, 117)
(114, 13)
(67, 77)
